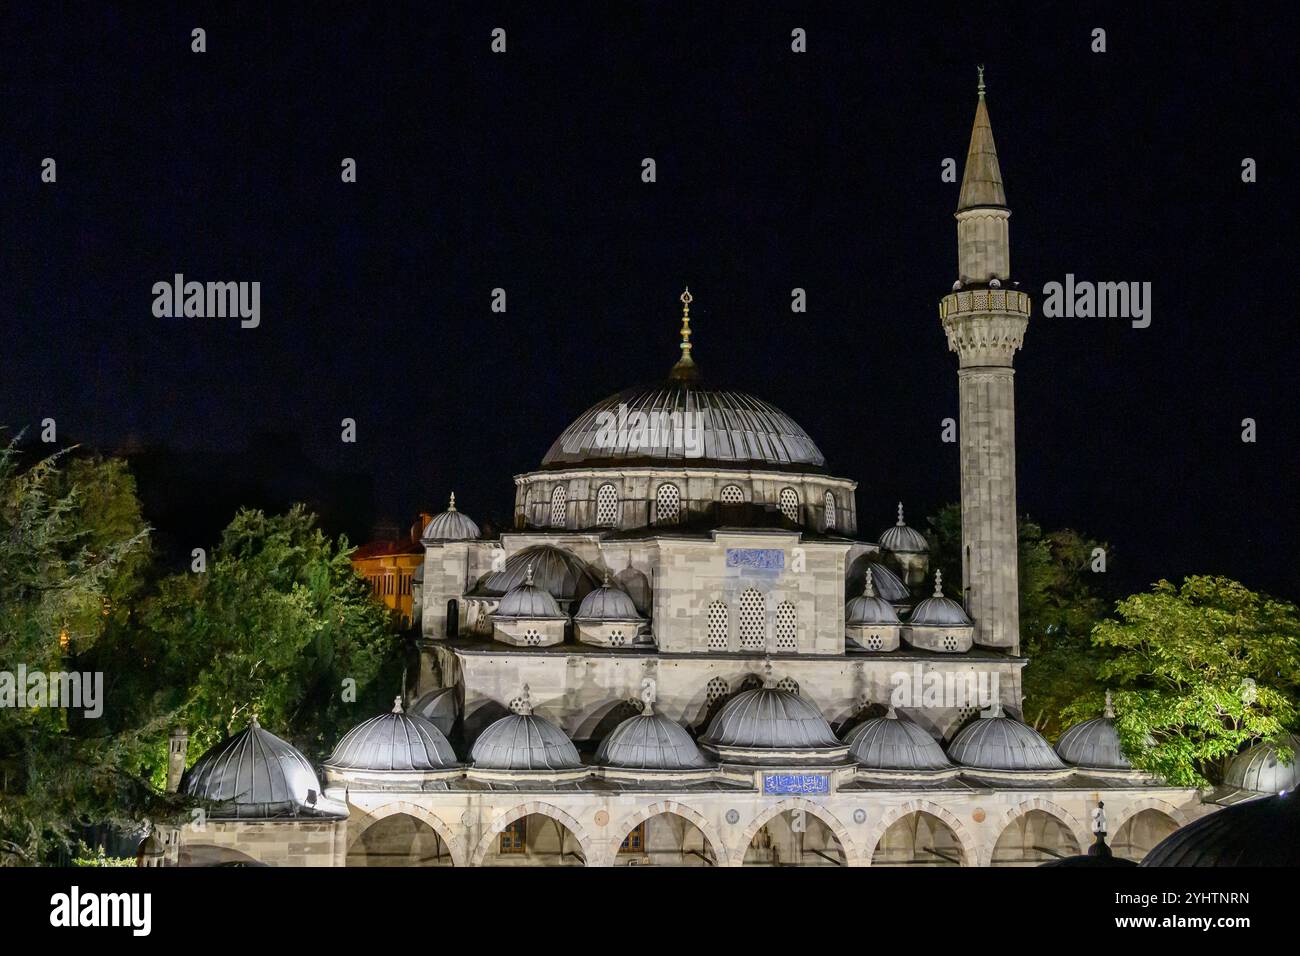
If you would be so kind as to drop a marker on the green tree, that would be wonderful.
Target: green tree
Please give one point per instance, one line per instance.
(1059, 606)
(1204, 669)
(280, 626)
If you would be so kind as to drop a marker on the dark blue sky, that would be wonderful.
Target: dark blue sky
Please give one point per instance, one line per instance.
(775, 170)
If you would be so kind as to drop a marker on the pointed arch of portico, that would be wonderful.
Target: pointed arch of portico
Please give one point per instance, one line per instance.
(655, 809)
(1082, 833)
(1130, 810)
(970, 852)
(736, 852)
(498, 824)
(454, 845)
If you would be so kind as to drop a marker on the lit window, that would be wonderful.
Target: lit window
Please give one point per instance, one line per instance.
(558, 507)
(715, 690)
(717, 626)
(787, 627)
(607, 506)
(668, 504)
(512, 837)
(788, 502)
(831, 517)
(634, 842)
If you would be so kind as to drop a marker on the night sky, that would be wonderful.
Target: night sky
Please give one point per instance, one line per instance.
(775, 171)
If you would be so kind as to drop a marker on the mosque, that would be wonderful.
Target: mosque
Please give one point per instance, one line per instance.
(685, 653)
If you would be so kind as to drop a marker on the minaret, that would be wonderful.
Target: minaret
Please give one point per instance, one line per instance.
(985, 317)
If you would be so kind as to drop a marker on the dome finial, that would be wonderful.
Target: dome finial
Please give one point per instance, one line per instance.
(868, 586)
(995, 709)
(892, 714)
(685, 367)
(938, 583)
(451, 505)
(900, 515)
(528, 576)
(525, 701)
(649, 691)
(609, 578)
(980, 88)
(1109, 711)
(397, 704)
(768, 679)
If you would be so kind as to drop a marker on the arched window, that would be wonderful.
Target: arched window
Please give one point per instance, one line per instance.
(559, 507)
(788, 502)
(789, 685)
(753, 620)
(716, 690)
(668, 504)
(732, 495)
(831, 518)
(787, 627)
(607, 506)
(717, 626)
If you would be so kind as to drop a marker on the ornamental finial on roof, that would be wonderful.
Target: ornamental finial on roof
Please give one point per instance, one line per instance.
(608, 578)
(768, 679)
(995, 709)
(900, 514)
(525, 701)
(868, 586)
(528, 574)
(649, 692)
(892, 714)
(397, 704)
(451, 505)
(1099, 818)
(980, 88)
(938, 583)
(685, 367)
(1110, 706)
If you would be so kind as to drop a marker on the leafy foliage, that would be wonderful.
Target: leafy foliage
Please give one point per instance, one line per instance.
(1205, 669)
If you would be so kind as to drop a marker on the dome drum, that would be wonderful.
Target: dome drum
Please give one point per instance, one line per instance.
(613, 634)
(528, 632)
(870, 622)
(939, 624)
(873, 638)
(608, 617)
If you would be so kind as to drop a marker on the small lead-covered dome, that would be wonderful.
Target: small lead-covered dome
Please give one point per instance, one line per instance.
(528, 601)
(891, 743)
(887, 584)
(608, 603)
(997, 742)
(1094, 743)
(254, 775)
(939, 611)
(867, 609)
(450, 525)
(769, 718)
(904, 540)
(393, 742)
(1263, 832)
(561, 573)
(523, 741)
(650, 741)
(1260, 768)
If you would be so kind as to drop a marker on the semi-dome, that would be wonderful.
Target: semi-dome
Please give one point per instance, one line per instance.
(608, 603)
(438, 707)
(451, 525)
(524, 741)
(897, 744)
(937, 610)
(886, 583)
(1263, 832)
(1094, 743)
(396, 742)
(1259, 768)
(867, 609)
(256, 775)
(528, 601)
(561, 573)
(998, 742)
(769, 718)
(650, 741)
(902, 539)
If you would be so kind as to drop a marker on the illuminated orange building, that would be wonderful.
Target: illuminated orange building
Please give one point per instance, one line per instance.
(389, 566)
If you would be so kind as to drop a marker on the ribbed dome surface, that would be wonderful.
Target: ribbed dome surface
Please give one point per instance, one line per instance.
(863, 611)
(768, 718)
(393, 742)
(1093, 743)
(1001, 743)
(254, 775)
(528, 601)
(893, 743)
(939, 611)
(1260, 769)
(608, 603)
(734, 430)
(1263, 832)
(524, 742)
(903, 539)
(565, 575)
(451, 525)
(438, 707)
(887, 584)
(650, 742)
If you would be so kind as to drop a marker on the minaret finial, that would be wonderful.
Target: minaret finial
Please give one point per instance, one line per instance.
(1110, 706)
(451, 505)
(900, 514)
(938, 583)
(980, 68)
(868, 586)
(685, 367)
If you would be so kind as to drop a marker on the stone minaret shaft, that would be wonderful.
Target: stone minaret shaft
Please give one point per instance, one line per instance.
(985, 318)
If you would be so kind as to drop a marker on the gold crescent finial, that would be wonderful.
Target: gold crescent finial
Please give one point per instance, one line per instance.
(981, 84)
(685, 367)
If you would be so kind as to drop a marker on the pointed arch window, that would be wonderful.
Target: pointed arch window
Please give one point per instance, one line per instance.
(559, 507)
(607, 506)
(668, 504)
(832, 519)
(788, 502)
(753, 620)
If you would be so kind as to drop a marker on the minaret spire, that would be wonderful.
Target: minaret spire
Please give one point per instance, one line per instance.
(981, 183)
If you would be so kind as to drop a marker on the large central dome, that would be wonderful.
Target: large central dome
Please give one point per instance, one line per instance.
(683, 423)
